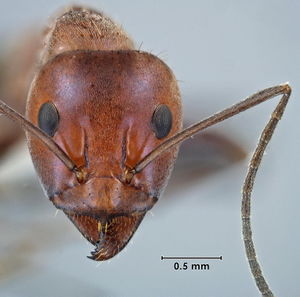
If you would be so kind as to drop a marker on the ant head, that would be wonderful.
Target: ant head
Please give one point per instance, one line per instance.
(106, 110)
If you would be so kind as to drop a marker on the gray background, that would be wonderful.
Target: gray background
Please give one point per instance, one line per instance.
(221, 51)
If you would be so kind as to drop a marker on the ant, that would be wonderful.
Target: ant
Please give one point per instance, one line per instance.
(104, 125)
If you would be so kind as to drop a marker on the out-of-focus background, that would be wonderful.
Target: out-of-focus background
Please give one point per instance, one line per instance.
(221, 52)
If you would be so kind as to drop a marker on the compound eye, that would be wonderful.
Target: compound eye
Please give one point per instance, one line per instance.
(48, 118)
(161, 121)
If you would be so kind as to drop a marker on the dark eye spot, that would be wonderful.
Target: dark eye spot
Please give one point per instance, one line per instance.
(48, 118)
(161, 121)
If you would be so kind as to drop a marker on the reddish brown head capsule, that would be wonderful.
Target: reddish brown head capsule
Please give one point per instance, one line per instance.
(107, 107)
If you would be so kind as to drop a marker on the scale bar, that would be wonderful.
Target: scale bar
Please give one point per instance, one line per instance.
(191, 258)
